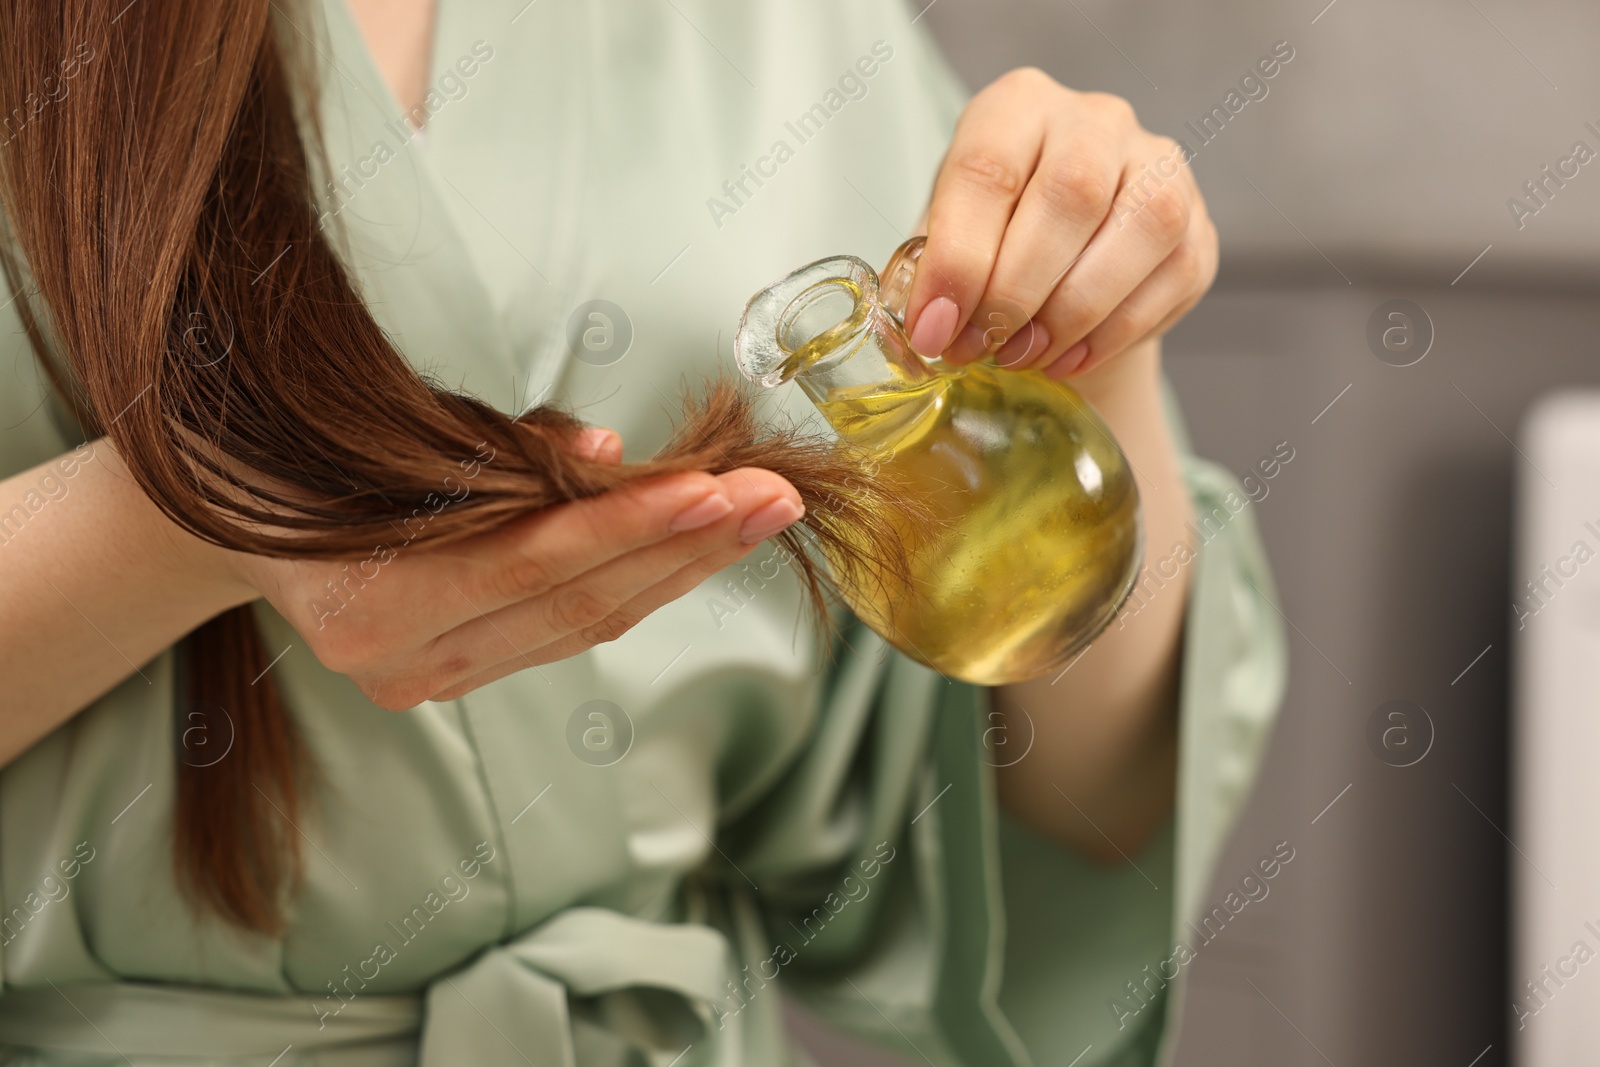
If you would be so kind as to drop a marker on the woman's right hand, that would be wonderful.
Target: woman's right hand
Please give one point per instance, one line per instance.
(436, 622)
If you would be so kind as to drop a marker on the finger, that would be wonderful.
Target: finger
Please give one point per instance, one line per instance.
(985, 170)
(1159, 301)
(589, 606)
(598, 443)
(1021, 351)
(1127, 249)
(455, 585)
(533, 555)
(429, 591)
(590, 442)
(1066, 200)
(516, 639)
(664, 592)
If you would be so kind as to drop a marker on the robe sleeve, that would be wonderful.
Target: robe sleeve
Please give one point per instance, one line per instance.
(915, 914)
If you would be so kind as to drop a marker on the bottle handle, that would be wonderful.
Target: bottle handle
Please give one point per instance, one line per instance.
(894, 282)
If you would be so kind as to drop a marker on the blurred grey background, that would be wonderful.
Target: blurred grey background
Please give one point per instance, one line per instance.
(1378, 167)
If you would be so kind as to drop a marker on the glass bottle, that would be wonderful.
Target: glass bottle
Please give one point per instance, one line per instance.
(1036, 537)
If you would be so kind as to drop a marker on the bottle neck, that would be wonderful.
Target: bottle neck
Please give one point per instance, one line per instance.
(845, 345)
(829, 327)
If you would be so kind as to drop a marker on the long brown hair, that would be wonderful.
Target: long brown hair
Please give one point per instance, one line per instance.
(149, 187)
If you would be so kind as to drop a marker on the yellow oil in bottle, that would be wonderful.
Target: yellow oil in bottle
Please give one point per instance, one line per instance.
(1012, 576)
(1031, 536)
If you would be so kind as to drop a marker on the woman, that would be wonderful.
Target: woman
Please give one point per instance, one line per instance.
(574, 789)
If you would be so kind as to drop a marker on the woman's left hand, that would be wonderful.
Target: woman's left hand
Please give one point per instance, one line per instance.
(1060, 232)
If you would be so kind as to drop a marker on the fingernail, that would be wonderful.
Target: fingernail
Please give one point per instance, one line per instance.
(703, 512)
(1025, 348)
(967, 346)
(935, 327)
(1069, 361)
(773, 518)
(598, 442)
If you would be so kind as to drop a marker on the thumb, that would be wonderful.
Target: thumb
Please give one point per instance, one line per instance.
(597, 443)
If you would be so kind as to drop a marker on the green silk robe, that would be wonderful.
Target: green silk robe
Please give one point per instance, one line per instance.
(621, 858)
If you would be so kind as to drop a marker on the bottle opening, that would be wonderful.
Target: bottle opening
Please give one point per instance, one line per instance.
(794, 322)
(820, 318)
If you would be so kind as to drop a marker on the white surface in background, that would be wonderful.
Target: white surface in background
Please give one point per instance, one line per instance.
(1555, 788)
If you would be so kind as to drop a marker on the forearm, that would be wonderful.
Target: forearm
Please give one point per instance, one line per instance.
(94, 583)
(1101, 775)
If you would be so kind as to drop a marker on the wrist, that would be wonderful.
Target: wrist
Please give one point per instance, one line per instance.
(217, 578)
(1127, 393)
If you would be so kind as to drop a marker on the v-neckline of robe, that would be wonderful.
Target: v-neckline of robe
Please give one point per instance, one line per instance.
(371, 110)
